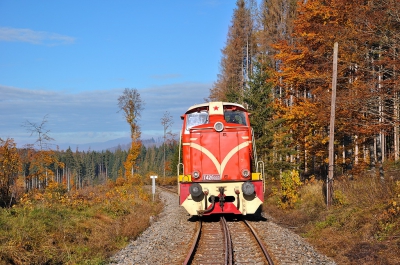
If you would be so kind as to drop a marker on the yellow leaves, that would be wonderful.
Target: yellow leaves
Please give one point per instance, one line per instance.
(391, 213)
(114, 199)
(9, 159)
(133, 154)
(144, 195)
(10, 165)
(119, 181)
(38, 196)
(41, 162)
(290, 183)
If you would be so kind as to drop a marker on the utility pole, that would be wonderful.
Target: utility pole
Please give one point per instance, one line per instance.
(329, 182)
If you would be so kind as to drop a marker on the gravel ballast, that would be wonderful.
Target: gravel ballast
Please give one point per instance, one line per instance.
(169, 237)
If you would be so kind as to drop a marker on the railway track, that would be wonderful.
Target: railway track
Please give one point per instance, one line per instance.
(227, 242)
(168, 239)
(218, 241)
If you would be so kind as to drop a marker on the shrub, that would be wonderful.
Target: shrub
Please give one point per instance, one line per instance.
(289, 193)
(84, 226)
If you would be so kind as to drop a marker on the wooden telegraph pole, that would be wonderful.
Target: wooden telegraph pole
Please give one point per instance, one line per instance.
(329, 183)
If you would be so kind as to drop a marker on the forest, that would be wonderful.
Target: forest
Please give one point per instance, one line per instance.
(278, 62)
(89, 168)
(35, 166)
(79, 169)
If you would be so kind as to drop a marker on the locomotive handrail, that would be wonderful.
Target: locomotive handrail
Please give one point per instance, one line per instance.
(256, 162)
(179, 152)
(262, 172)
(254, 149)
(179, 163)
(183, 169)
(219, 154)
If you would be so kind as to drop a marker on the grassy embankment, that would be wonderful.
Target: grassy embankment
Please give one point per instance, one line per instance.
(89, 225)
(78, 227)
(362, 227)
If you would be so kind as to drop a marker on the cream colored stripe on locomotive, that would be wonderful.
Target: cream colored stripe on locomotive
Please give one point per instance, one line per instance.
(231, 153)
(207, 153)
(220, 167)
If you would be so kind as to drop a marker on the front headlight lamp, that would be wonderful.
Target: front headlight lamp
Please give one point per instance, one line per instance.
(196, 174)
(245, 173)
(218, 126)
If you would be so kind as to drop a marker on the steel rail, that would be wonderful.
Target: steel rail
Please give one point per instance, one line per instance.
(190, 254)
(264, 250)
(228, 242)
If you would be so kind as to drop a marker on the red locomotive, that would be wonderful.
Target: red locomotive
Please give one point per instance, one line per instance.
(219, 173)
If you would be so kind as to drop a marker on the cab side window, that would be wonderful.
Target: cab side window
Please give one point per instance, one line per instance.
(237, 117)
(196, 118)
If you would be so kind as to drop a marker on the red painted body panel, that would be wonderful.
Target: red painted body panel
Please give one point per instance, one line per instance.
(219, 156)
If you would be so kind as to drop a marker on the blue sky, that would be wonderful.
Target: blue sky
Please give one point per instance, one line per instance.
(70, 60)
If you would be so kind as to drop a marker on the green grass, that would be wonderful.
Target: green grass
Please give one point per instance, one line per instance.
(362, 227)
(50, 231)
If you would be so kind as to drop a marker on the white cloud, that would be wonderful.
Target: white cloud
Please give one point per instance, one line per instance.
(92, 116)
(34, 37)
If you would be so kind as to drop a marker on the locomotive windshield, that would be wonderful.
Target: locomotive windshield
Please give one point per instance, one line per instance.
(235, 117)
(196, 118)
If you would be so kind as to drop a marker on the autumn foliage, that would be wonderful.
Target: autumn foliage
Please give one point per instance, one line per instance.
(10, 166)
(85, 226)
(294, 41)
(131, 104)
(290, 82)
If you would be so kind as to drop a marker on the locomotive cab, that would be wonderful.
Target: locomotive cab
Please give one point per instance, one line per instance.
(219, 172)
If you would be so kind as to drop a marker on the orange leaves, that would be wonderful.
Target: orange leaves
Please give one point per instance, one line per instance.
(10, 165)
(366, 85)
(116, 199)
(302, 116)
(9, 160)
(305, 62)
(40, 164)
(130, 162)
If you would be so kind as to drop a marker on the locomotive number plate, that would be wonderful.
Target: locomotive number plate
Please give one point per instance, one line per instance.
(211, 177)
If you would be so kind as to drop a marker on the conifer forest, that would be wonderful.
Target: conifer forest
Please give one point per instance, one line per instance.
(278, 63)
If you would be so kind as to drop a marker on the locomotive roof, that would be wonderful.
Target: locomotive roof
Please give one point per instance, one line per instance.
(207, 104)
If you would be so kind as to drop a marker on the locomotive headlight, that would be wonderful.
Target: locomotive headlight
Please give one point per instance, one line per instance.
(195, 189)
(248, 188)
(218, 126)
(245, 173)
(196, 174)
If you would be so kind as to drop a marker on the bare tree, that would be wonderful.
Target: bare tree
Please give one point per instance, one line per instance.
(166, 122)
(42, 160)
(43, 137)
(131, 104)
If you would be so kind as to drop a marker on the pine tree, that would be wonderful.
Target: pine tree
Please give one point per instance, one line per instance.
(236, 62)
(259, 99)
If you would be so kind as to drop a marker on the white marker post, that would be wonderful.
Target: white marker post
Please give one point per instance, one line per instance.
(153, 185)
